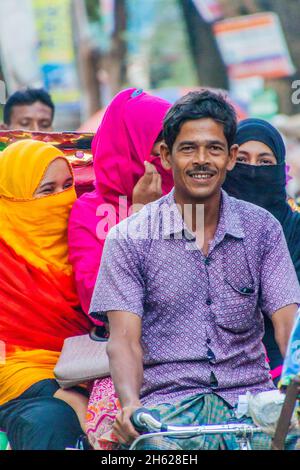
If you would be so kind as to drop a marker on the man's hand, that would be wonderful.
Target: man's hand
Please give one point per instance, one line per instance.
(148, 187)
(123, 428)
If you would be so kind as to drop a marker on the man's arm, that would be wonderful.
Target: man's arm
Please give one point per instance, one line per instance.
(126, 366)
(283, 322)
(119, 295)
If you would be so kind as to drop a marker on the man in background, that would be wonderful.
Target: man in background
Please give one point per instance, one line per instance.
(29, 109)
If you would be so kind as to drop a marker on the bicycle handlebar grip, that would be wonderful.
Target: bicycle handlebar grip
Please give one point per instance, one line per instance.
(135, 418)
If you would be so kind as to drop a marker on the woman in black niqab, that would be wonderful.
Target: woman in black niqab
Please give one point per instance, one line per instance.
(264, 184)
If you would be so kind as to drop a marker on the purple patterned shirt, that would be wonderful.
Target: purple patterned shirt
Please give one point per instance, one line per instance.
(202, 323)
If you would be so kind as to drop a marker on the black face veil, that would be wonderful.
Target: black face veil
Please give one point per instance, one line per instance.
(265, 186)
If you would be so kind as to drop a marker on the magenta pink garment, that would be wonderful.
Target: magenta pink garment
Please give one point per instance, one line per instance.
(123, 142)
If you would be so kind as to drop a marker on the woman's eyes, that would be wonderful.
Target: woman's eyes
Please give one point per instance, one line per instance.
(265, 161)
(46, 191)
(52, 190)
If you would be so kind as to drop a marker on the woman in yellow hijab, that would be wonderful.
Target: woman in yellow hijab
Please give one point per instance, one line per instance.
(39, 307)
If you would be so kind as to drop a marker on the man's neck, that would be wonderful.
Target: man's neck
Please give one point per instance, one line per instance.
(194, 217)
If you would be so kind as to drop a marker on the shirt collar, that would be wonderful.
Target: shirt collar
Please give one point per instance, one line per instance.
(229, 222)
(173, 222)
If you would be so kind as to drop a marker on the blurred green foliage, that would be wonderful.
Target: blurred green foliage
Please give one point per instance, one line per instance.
(93, 10)
(166, 47)
(170, 58)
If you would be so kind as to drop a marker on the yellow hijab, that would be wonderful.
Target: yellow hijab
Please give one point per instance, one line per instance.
(35, 228)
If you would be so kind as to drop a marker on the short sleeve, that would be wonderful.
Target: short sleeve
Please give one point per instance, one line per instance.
(279, 283)
(120, 284)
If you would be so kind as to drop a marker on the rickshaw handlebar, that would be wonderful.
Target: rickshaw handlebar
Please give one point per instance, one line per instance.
(145, 420)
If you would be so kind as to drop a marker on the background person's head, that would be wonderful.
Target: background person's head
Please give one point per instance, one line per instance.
(57, 178)
(128, 135)
(260, 144)
(36, 197)
(29, 109)
(259, 175)
(31, 169)
(199, 133)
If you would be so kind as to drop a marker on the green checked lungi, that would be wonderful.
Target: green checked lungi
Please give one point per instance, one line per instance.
(202, 409)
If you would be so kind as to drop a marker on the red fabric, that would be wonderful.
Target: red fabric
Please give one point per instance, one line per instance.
(84, 179)
(37, 310)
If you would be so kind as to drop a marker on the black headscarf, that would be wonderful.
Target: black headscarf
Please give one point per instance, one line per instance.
(266, 185)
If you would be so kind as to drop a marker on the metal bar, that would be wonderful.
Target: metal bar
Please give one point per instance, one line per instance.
(286, 414)
(180, 432)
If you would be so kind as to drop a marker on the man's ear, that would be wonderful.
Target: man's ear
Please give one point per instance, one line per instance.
(165, 156)
(233, 152)
(3, 127)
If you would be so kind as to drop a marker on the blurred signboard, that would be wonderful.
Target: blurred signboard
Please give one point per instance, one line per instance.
(264, 105)
(258, 100)
(56, 51)
(254, 45)
(210, 10)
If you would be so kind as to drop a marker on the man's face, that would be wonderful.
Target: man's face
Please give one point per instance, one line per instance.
(34, 117)
(199, 159)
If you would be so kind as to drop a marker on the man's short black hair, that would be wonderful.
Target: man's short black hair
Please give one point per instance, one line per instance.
(26, 97)
(200, 105)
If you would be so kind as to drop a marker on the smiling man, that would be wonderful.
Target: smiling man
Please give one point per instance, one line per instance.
(184, 304)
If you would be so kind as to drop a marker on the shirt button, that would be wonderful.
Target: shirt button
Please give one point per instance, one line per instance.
(208, 340)
(210, 355)
(207, 261)
(213, 380)
(208, 302)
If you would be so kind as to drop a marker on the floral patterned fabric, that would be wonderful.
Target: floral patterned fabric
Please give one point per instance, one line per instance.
(102, 410)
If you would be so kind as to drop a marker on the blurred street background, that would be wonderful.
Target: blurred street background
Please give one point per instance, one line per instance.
(84, 51)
